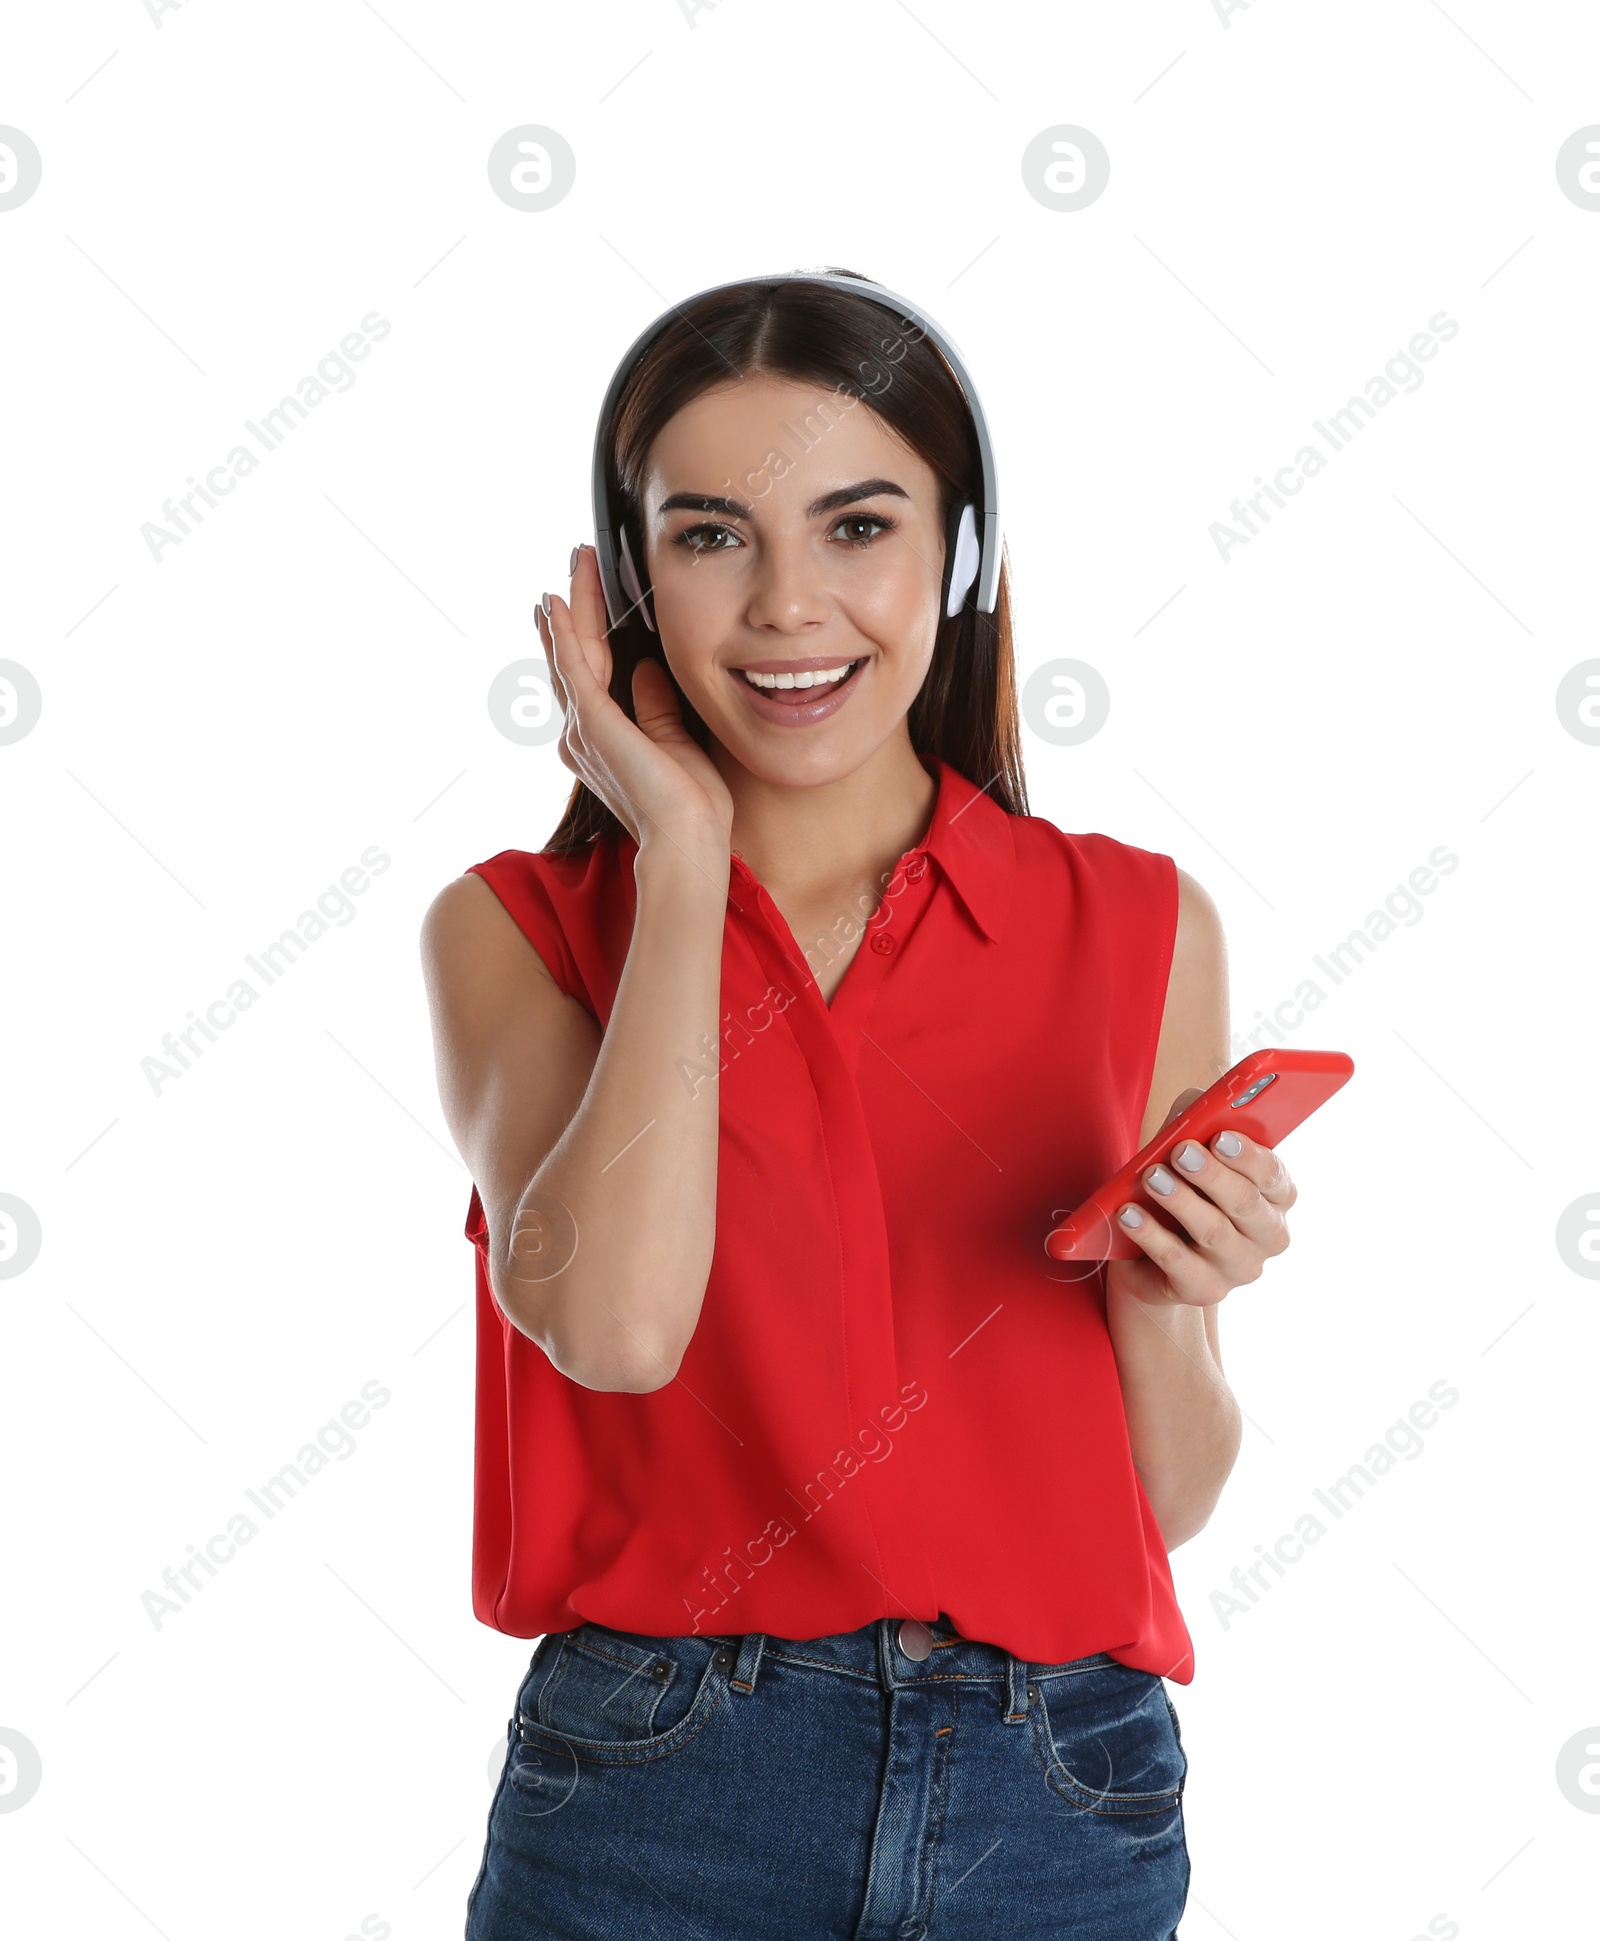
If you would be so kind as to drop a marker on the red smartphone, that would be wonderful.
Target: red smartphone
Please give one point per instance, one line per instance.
(1264, 1096)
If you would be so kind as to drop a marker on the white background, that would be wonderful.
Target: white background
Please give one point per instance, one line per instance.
(1294, 192)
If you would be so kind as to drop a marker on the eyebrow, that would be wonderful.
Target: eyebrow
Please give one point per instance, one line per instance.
(829, 502)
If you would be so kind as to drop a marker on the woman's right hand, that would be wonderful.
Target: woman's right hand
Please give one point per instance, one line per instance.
(653, 776)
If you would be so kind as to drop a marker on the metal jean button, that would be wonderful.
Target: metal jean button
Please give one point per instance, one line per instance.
(915, 1640)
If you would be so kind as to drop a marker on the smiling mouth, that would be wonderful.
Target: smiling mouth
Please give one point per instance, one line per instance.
(806, 685)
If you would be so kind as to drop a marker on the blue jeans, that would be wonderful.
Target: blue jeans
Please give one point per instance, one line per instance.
(758, 1788)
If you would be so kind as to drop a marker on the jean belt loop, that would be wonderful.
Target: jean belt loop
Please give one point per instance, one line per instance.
(1016, 1690)
(743, 1676)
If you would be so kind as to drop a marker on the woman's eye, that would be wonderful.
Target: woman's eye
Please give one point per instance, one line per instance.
(697, 539)
(859, 519)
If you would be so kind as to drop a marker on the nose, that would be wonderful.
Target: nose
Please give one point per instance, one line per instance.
(790, 593)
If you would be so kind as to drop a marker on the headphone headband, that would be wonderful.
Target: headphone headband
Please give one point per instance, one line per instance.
(616, 567)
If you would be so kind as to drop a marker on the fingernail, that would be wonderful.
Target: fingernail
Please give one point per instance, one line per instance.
(544, 605)
(1229, 1144)
(1190, 1156)
(572, 564)
(1159, 1180)
(1130, 1216)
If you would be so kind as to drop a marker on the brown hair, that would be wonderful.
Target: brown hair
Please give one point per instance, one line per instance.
(966, 711)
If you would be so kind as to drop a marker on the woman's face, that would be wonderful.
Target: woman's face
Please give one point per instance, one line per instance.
(789, 532)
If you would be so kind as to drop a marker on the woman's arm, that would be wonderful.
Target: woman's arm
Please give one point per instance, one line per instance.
(575, 1137)
(568, 1133)
(1183, 1422)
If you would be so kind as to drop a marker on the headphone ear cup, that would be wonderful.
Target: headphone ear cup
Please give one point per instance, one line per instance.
(963, 555)
(628, 573)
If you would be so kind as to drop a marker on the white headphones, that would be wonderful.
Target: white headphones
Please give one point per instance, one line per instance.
(971, 558)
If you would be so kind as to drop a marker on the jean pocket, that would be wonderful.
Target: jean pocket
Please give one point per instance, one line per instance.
(604, 1695)
(1109, 1740)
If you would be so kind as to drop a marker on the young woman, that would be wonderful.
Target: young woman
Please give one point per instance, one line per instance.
(840, 1511)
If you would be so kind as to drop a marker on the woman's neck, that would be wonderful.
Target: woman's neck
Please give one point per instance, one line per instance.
(806, 846)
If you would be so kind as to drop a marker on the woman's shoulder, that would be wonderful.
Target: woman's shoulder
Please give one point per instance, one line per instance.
(590, 861)
(1044, 844)
(566, 903)
(573, 886)
(1124, 879)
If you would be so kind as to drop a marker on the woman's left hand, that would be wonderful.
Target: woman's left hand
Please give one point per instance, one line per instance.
(1229, 1200)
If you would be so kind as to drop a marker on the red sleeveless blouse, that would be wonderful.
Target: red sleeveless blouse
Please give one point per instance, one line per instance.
(895, 1404)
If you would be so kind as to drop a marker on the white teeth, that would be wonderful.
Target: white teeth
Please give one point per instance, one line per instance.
(823, 678)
